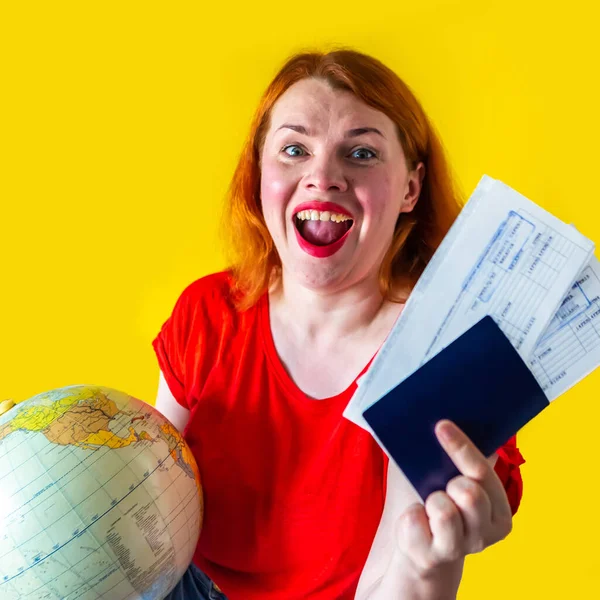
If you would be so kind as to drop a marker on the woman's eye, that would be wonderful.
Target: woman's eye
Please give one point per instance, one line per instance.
(293, 150)
(363, 154)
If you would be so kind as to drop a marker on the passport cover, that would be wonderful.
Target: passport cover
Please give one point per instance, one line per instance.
(479, 381)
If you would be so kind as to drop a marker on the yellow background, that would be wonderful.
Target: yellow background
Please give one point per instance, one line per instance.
(119, 132)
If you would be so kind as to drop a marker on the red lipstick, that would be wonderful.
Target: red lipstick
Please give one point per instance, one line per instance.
(329, 249)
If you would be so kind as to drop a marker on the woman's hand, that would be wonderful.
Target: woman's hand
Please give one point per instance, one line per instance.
(470, 515)
(418, 552)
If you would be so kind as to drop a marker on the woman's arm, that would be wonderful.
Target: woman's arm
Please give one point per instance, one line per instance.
(387, 574)
(169, 407)
(418, 551)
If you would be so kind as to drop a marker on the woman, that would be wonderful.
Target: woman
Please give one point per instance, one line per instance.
(340, 198)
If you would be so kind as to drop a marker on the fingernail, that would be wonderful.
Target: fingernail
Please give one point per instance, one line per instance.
(464, 484)
(445, 431)
(440, 501)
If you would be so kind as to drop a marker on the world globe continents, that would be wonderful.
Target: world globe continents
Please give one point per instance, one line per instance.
(100, 498)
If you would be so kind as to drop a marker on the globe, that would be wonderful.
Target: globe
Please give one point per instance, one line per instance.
(100, 498)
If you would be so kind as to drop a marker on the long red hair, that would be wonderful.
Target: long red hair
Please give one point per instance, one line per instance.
(254, 259)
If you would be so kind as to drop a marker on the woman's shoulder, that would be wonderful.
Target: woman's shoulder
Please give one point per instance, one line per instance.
(210, 294)
(215, 286)
(206, 315)
(204, 307)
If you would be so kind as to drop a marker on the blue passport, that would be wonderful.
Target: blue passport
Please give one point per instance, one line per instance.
(479, 381)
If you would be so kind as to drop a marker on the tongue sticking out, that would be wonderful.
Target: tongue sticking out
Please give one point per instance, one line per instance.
(322, 233)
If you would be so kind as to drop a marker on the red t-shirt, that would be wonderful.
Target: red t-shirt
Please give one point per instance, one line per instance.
(293, 491)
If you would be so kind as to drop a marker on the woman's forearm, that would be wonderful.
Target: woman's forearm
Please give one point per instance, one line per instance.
(400, 581)
(419, 549)
(389, 574)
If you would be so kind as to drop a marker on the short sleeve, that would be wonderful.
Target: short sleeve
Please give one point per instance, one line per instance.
(507, 469)
(170, 348)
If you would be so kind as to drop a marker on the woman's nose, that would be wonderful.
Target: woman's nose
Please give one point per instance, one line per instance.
(326, 174)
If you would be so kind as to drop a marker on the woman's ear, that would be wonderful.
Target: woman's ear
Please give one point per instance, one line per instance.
(414, 186)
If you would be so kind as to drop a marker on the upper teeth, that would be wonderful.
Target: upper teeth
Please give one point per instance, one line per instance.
(317, 215)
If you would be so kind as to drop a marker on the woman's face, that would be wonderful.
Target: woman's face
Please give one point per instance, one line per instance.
(333, 181)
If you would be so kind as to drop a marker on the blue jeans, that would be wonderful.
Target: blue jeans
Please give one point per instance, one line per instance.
(195, 585)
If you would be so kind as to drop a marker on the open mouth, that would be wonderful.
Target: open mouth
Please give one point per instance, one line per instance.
(322, 228)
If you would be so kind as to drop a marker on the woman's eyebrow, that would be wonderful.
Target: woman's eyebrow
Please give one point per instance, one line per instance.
(349, 134)
(361, 130)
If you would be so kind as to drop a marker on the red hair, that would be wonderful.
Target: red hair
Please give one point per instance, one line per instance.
(255, 261)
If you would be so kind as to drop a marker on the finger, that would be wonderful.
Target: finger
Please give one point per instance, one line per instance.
(492, 459)
(446, 527)
(413, 534)
(471, 463)
(476, 512)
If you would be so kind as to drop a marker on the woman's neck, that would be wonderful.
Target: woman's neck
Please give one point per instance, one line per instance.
(319, 316)
(325, 340)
